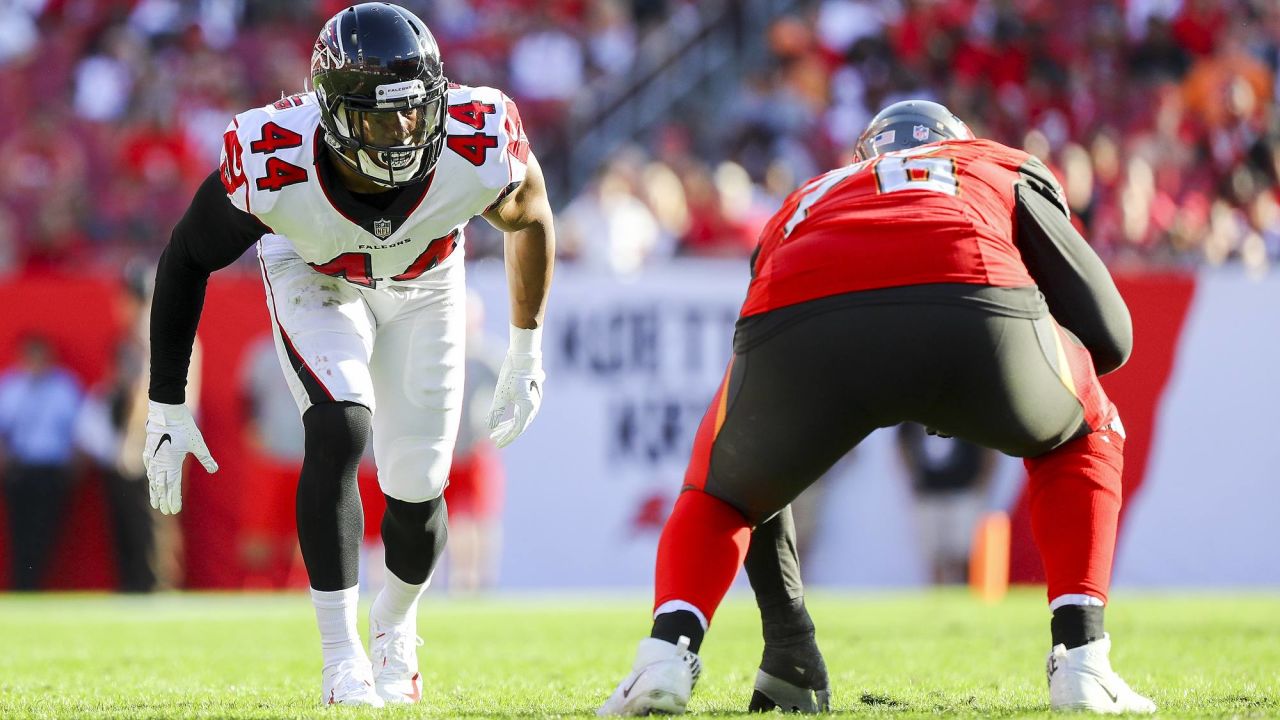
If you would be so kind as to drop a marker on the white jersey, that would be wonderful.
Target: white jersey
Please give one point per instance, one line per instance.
(269, 169)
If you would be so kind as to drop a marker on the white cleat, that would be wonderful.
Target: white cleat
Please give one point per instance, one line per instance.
(1081, 679)
(661, 680)
(349, 682)
(394, 650)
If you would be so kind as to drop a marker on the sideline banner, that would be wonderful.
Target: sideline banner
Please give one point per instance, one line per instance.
(631, 365)
(632, 362)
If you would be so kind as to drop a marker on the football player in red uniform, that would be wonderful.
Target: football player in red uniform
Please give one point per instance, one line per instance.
(937, 279)
(356, 195)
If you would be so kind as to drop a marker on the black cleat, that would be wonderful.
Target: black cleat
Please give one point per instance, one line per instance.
(772, 693)
(792, 678)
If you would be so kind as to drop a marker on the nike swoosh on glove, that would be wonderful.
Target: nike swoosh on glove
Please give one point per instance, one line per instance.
(519, 390)
(171, 434)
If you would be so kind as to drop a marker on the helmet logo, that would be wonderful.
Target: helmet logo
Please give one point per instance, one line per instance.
(920, 133)
(323, 55)
(324, 58)
(382, 228)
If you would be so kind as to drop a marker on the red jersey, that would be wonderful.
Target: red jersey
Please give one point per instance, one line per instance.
(937, 213)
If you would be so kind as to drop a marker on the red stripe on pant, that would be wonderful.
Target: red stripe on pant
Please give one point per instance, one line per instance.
(695, 475)
(705, 540)
(1098, 410)
(1075, 510)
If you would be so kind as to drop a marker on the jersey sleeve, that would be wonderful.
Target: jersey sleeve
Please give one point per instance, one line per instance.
(1037, 176)
(512, 136)
(1076, 284)
(264, 150)
(485, 119)
(231, 166)
(210, 236)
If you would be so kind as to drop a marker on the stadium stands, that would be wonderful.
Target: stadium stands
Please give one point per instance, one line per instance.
(1160, 117)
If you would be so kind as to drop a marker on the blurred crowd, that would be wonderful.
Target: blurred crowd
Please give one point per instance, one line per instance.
(1159, 115)
(126, 100)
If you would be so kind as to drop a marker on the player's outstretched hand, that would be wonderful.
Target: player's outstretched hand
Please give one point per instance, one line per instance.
(519, 393)
(171, 434)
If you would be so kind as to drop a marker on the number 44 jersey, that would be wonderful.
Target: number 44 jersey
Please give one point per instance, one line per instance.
(271, 169)
(937, 213)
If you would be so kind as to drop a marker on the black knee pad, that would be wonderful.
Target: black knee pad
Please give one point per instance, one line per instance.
(414, 536)
(431, 514)
(330, 519)
(336, 432)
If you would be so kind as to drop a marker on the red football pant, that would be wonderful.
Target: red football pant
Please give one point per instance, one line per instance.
(1075, 509)
(703, 544)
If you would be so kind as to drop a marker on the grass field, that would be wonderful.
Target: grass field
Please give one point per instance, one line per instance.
(901, 655)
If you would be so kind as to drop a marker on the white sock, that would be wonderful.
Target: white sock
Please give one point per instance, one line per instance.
(398, 601)
(674, 605)
(1064, 600)
(336, 617)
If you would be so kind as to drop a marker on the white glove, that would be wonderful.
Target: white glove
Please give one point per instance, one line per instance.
(519, 389)
(171, 434)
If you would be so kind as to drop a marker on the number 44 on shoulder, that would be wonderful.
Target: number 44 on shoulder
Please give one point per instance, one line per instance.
(279, 173)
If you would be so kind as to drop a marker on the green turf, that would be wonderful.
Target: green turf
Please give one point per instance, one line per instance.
(900, 655)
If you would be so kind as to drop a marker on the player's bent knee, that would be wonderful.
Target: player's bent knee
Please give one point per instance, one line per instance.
(1108, 439)
(336, 432)
(757, 505)
(415, 470)
(1096, 457)
(431, 514)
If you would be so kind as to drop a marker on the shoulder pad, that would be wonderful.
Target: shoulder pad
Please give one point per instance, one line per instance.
(266, 149)
(1036, 175)
(231, 164)
(485, 130)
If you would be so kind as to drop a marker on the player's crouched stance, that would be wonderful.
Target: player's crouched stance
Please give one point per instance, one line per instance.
(356, 195)
(939, 280)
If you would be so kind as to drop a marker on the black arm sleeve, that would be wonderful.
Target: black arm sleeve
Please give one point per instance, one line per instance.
(1077, 287)
(210, 236)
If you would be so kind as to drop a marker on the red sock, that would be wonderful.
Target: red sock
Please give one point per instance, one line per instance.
(1075, 508)
(702, 547)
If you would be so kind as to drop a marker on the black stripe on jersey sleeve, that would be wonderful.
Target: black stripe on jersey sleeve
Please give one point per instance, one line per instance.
(502, 196)
(210, 236)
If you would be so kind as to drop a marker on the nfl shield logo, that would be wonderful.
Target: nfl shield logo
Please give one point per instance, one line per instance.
(382, 228)
(920, 132)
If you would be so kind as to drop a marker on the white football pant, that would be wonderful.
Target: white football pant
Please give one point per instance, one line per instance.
(398, 349)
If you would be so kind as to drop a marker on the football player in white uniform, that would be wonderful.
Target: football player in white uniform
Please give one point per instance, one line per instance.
(356, 194)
